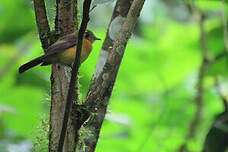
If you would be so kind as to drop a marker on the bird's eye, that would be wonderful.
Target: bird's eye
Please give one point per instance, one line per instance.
(86, 35)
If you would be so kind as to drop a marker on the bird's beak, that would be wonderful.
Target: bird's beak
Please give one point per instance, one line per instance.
(96, 38)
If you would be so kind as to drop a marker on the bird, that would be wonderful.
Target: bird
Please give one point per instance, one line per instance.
(63, 51)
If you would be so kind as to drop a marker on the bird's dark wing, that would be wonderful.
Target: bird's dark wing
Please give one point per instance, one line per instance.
(63, 43)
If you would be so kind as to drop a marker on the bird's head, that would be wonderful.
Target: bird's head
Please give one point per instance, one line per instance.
(90, 36)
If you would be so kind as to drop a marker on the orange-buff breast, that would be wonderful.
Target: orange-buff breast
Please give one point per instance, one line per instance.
(67, 56)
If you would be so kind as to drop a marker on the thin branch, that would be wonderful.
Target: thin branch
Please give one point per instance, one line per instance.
(94, 6)
(101, 87)
(74, 73)
(224, 20)
(42, 22)
(200, 90)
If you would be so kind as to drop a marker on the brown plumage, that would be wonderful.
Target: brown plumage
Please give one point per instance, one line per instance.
(63, 51)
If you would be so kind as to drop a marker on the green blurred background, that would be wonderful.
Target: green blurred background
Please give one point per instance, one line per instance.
(152, 102)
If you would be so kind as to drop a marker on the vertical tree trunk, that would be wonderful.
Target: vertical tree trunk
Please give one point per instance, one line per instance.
(66, 12)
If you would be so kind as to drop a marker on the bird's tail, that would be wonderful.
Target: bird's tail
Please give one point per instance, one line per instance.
(30, 64)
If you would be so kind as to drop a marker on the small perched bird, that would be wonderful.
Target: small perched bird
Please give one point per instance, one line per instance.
(63, 51)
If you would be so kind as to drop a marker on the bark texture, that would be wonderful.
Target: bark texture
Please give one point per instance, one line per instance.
(88, 134)
(74, 77)
(65, 23)
(101, 87)
(121, 9)
(42, 22)
(100, 90)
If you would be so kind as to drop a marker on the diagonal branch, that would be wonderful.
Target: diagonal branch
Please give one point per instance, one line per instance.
(74, 73)
(104, 83)
(121, 9)
(42, 22)
(101, 87)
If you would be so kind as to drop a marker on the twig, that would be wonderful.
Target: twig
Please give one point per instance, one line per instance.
(94, 6)
(74, 73)
(200, 91)
(224, 20)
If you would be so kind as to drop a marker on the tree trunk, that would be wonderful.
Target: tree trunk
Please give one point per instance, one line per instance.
(65, 23)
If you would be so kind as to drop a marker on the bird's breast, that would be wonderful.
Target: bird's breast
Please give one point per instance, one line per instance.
(67, 56)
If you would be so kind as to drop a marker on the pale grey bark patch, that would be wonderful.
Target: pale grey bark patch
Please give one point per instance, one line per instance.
(101, 62)
(115, 27)
(96, 2)
(119, 118)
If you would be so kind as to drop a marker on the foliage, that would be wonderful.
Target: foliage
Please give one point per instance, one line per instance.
(153, 99)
